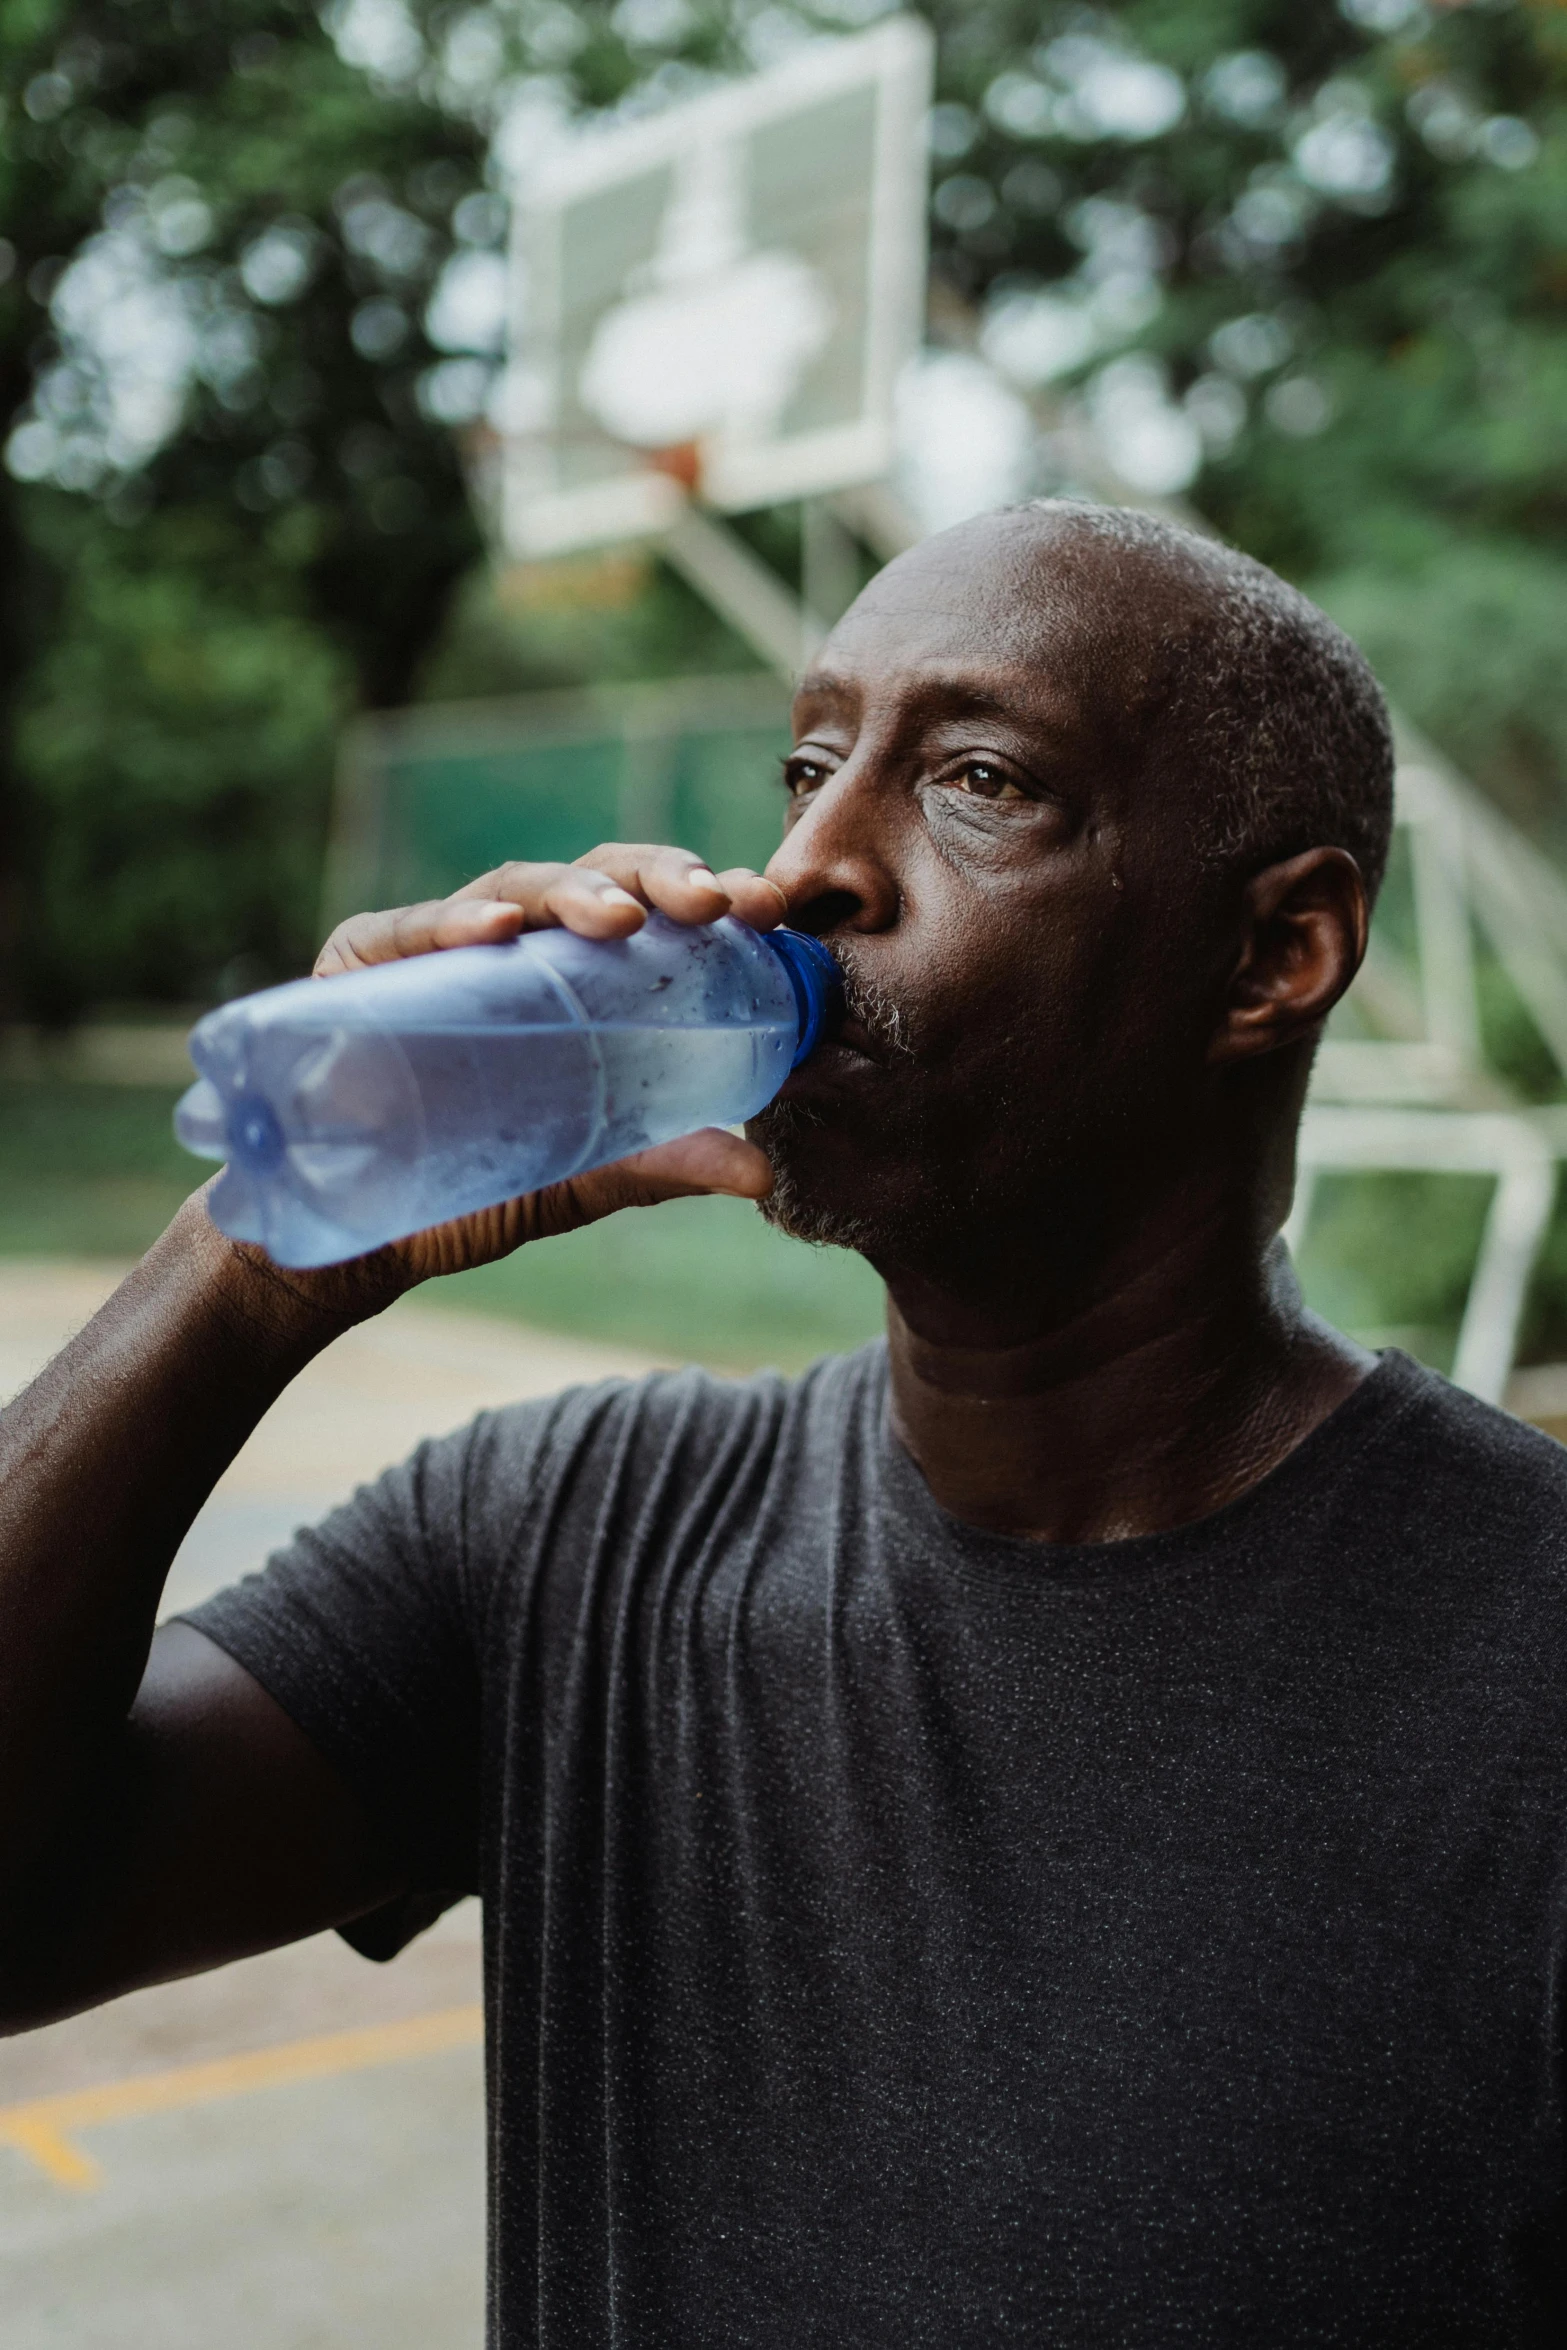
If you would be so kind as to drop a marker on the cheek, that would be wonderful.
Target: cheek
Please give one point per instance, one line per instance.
(994, 845)
(1010, 1022)
(1025, 974)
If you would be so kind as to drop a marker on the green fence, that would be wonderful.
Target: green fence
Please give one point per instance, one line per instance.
(429, 797)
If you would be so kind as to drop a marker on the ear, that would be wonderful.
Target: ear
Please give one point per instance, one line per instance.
(1303, 935)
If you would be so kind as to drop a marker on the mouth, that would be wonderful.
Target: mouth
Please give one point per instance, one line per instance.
(847, 1058)
(869, 1039)
(854, 1037)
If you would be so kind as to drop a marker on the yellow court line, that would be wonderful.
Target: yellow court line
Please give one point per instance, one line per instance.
(43, 2128)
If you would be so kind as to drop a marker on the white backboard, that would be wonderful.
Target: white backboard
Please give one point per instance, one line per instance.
(719, 296)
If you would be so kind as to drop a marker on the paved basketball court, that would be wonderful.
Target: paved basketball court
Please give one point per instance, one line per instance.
(286, 2155)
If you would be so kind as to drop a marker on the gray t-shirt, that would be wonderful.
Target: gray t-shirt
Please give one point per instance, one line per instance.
(897, 1934)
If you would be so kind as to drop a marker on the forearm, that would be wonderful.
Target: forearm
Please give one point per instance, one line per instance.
(104, 1462)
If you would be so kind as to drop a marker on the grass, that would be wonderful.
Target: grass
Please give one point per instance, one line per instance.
(704, 1280)
(93, 1170)
(88, 1170)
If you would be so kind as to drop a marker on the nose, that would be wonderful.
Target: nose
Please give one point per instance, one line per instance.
(833, 865)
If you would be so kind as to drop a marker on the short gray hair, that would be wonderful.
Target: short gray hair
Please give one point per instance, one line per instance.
(1263, 696)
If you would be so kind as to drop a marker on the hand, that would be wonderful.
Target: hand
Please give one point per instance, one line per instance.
(604, 895)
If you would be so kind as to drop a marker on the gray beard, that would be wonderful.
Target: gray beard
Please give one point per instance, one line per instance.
(789, 1207)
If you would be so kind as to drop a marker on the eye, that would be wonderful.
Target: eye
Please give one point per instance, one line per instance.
(802, 775)
(983, 780)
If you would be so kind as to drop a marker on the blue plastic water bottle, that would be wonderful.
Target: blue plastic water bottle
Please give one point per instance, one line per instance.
(352, 1111)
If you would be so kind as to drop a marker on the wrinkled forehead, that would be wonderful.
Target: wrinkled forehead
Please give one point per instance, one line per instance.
(1014, 616)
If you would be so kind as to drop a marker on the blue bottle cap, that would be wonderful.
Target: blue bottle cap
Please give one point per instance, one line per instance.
(816, 980)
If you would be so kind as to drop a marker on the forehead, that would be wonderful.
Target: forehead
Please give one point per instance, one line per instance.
(1002, 618)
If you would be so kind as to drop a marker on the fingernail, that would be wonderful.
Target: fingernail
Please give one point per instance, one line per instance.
(614, 896)
(700, 878)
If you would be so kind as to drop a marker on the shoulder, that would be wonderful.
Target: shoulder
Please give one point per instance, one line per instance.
(1461, 1468)
(577, 1506)
(1443, 1421)
(622, 1442)
(711, 1405)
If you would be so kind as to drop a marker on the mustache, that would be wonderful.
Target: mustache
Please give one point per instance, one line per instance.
(882, 1020)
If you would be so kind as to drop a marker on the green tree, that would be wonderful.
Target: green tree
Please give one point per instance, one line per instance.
(1328, 243)
(1339, 235)
(177, 733)
(220, 237)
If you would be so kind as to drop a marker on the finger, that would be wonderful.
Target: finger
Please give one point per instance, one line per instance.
(386, 937)
(676, 881)
(554, 896)
(602, 896)
(593, 904)
(710, 1160)
(754, 898)
(583, 899)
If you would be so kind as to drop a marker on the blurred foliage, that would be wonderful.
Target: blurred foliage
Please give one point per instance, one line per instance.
(1358, 1269)
(1472, 644)
(177, 736)
(576, 622)
(218, 181)
(1332, 239)
(1512, 1044)
(212, 331)
(1346, 253)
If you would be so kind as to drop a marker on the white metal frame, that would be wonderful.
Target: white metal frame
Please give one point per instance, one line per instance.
(1502, 1144)
(743, 589)
(1422, 1097)
(1470, 868)
(539, 517)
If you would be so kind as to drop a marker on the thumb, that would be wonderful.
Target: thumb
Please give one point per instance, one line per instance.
(707, 1161)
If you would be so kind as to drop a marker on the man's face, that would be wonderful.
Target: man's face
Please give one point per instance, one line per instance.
(973, 830)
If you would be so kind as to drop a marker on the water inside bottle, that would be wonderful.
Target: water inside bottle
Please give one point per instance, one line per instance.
(367, 1136)
(516, 1110)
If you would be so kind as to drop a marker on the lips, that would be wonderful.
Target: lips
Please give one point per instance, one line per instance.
(840, 1064)
(855, 1039)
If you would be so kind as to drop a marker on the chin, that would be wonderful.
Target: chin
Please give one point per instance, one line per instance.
(790, 1208)
(830, 1192)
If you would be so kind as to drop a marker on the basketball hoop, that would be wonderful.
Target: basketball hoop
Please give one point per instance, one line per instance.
(718, 300)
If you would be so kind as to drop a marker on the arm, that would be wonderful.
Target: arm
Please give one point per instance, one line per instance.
(158, 1812)
(104, 1462)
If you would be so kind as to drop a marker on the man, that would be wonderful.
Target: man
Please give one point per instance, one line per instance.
(1053, 1830)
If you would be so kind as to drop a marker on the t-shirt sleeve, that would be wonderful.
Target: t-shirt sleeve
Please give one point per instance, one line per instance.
(368, 1630)
(426, 1635)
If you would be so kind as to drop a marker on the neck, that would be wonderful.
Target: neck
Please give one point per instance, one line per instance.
(1176, 1379)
